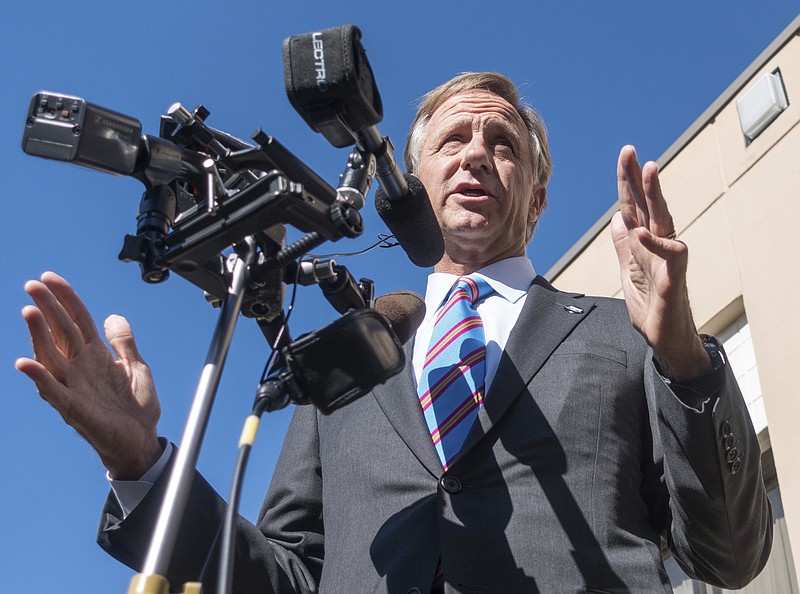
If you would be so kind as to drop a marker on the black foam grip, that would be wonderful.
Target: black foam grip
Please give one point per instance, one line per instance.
(413, 223)
(329, 82)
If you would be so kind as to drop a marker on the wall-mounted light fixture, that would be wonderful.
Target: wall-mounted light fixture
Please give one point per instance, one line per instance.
(759, 106)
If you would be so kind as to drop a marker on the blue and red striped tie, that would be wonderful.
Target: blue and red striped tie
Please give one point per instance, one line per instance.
(453, 376)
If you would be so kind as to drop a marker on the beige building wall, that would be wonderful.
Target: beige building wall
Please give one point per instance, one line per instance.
(737, 207)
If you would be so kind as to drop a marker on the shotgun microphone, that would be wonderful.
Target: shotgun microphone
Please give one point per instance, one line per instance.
(329, 82)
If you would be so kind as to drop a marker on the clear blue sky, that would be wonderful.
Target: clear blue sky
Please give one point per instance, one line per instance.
(603, 74)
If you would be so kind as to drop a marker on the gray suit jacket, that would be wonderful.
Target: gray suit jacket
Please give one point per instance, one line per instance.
(581, 461)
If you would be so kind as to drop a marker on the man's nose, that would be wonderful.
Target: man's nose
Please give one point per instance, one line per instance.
(476, 155)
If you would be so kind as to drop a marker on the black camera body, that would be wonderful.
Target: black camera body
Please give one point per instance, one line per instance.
(68, 128)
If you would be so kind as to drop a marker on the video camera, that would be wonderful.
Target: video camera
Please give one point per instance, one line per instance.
(205, 191)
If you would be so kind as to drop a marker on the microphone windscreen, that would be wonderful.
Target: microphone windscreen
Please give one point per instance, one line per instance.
(405, 310)
(329, 82)
(413, 223)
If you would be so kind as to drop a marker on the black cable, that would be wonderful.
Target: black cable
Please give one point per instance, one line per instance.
(383, 243)
(274, 352)
(228, 545)
(228, 551)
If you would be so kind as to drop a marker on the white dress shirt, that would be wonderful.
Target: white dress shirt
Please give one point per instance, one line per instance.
(510, 278)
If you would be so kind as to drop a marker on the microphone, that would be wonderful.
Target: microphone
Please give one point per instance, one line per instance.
(405, 311)
(344, 360)
(330, 84)
(402, 203)
(411, 219)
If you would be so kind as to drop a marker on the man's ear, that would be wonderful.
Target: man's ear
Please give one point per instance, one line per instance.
(535, 211)
(537, 206)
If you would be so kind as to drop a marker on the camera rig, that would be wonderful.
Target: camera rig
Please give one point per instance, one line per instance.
(205, 190)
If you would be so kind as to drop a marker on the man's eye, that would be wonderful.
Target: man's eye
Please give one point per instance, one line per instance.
(451, 143)
(505, 146)
(453, 138)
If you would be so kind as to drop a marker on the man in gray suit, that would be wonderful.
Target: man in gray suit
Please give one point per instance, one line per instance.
(607, 427)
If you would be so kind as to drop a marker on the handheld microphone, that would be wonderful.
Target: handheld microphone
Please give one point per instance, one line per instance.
(344, 360)
(405, 311)
(329, 82)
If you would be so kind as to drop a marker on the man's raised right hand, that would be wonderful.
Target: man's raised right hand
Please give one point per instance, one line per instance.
(110, 401)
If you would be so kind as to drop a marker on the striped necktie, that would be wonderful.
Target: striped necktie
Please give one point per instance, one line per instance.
(453, 376)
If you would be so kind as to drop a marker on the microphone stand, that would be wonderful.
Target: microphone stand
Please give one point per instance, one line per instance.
(151, 580)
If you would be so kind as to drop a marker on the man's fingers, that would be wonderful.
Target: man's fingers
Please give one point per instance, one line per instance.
(633, 204)
(44, 349)
(72, 304)
(65, 334)
(666, 249)
(120, 337)
(50, 389)
(641, 200)
(661, 223)
(619, 235)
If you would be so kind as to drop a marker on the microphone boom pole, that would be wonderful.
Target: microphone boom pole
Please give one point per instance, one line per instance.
(162, 545)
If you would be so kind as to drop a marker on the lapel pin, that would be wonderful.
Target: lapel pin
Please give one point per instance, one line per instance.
(573, 310)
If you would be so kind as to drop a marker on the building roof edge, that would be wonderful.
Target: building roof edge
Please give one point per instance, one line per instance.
(792, 30)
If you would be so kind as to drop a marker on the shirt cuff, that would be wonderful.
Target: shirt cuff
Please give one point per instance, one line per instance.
(699, 391)
(129, 494)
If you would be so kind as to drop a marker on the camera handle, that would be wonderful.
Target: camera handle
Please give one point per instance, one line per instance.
(151, 580)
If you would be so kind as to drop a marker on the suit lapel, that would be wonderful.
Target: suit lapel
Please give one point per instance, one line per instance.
(398, 400)
(547, 318)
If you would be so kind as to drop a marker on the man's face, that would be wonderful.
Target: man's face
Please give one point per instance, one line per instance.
(477, 167)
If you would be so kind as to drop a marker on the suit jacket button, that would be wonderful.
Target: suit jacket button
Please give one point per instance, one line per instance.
(736, 465)
(725, 429)
(729, 441)
(450, 484)
(732, 454)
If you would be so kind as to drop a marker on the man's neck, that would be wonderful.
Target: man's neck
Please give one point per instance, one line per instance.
(465, 266)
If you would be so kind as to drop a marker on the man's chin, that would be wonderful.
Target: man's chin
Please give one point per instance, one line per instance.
(469, 238)
(471, 228)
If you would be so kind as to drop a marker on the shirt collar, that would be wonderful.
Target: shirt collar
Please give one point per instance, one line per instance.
(510, 278)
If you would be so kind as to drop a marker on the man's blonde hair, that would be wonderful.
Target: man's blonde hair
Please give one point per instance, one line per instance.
(500, 86)
(504, 88)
